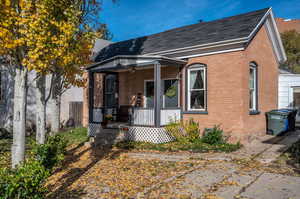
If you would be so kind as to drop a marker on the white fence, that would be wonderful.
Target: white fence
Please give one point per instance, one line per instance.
(145, 116)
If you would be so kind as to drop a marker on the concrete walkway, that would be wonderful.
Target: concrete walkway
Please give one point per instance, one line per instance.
(264, 149)
(244, 174)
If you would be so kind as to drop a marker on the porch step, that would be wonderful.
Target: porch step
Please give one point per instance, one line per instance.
(108, 137)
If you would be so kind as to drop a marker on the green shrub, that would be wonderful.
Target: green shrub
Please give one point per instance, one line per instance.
(52, 152)
(192, 129)
(214, 136)
(26, 182)
(184, 132)
(175, 128)
(294, 150)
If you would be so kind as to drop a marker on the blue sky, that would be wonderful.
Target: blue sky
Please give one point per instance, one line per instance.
(128, 19)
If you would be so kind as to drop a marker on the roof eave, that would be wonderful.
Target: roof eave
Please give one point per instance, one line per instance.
(155, 58)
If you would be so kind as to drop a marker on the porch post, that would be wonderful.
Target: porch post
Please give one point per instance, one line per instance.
(157, 92)
(91, 96)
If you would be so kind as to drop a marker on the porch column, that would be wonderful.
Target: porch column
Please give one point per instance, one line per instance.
(157, 92)
(91, 96)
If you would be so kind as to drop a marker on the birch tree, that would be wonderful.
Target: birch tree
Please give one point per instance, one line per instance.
(14, 22)
(36, 35)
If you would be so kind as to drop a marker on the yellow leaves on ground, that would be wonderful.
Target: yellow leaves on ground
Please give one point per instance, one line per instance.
(109, 174)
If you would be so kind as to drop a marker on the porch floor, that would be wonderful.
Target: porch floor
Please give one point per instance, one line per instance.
(116, 125)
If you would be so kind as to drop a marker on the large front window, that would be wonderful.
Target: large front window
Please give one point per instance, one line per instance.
(253, 87)
(169, 93)
(196, 88)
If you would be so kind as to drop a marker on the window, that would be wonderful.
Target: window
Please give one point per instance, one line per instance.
(169, 93)
(149, 94)
(196, 96)
(253, 87)
(110, 91)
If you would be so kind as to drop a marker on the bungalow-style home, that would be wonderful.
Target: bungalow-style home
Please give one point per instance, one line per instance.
(222, 72)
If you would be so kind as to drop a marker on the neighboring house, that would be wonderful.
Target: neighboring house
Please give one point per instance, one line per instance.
(71, 102)
(222, 72)
(288, 24)
(288, 83)
(289, 91)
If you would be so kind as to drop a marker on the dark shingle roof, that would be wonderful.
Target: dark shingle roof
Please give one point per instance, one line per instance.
(234, 27)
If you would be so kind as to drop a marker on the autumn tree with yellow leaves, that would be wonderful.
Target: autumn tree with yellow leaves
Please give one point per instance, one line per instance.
(45, 36)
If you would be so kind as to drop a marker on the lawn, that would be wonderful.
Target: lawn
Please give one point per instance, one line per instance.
(74, 136)
(196, 146)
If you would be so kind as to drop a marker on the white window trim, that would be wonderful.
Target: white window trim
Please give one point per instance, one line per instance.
(163, 100)
(201, 67)
(254, 68)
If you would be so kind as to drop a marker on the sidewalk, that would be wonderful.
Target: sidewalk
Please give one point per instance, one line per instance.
(242, 174)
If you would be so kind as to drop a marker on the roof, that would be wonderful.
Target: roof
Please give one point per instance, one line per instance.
(123, 62)
(284, 71)
(98, 46)
(230, 28)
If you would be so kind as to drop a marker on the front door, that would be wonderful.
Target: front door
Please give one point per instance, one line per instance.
(111, 95)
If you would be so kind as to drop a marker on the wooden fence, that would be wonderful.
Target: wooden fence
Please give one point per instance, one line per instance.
(75, 112)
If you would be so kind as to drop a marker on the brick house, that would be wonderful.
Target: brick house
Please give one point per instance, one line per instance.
(222, 72)
(288, 24)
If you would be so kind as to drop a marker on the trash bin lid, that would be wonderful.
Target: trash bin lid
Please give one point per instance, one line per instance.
(279, 112)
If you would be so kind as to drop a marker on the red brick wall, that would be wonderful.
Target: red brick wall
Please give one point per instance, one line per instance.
(228, 93)
(260, 50)
(284, 25)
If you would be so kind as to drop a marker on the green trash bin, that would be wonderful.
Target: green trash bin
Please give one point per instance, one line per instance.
(277, 121)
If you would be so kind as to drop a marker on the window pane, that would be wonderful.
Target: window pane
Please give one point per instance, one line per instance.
(150, 94)
(251, 102)
(197, 100)
(251, 78)
(171, 93)
(110, 100)
(110, 83)
(197, 79)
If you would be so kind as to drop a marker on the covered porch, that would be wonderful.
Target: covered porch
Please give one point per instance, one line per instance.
(141, 93)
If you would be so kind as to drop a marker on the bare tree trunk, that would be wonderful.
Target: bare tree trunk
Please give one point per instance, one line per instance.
(19, 121)
(55, 109)
(40, 109)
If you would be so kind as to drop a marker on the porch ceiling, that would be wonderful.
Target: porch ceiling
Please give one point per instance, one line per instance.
(119, 63)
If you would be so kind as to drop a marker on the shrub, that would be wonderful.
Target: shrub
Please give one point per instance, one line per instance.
(184, 132)
(214, 136)
(26, 182)
(52, 152)
(295, 152)
(175, 128)
(192, 130)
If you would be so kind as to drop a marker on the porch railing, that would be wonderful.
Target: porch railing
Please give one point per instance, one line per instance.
(145, 116)
(97, 115)
(142, 116)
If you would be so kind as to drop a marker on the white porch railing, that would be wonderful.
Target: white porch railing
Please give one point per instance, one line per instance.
(97, 115)
(169, 115)
(145, 116)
